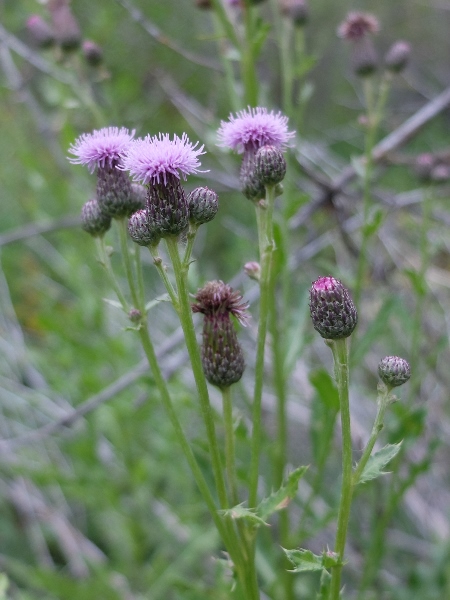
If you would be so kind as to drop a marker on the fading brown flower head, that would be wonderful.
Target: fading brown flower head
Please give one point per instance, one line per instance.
(218, 298)
(222, 358)
(357, 25)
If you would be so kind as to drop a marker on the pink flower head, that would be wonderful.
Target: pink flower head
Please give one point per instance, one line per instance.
(101, 148)
(152, 159)
(255, 127)
(218, 298)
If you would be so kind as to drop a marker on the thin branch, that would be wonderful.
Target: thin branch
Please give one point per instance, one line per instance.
(391, 142)
(163, 39)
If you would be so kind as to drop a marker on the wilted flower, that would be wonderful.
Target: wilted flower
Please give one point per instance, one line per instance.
(357, 25)
(222, 358)
(296, 10)
(355, 29)
(333, 312)
(65, 26)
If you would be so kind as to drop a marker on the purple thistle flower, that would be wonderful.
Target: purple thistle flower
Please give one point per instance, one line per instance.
(152, 159)
(102, 148)
(255, 127)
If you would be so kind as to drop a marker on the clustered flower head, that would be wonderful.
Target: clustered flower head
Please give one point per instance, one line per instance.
(255, 127)
(356, 29)
(333, 312)
(152, 159)
(250, 131)
(103, 148)
(222, 357)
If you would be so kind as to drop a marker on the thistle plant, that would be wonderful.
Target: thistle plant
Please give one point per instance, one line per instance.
(237, 382)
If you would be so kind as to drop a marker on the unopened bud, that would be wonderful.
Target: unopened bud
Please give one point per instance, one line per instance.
(114, 192)
(253, 270)
(141, 229)
(93, 220)
(39, 31)
(424, 165)
(296, 10)
(394, 371)
(167, 206)
(203, 205)
(135, 315)
(252, 188)
(67, 30)
(397, 57)
(270, 165)
(92, 53)
(333, 312)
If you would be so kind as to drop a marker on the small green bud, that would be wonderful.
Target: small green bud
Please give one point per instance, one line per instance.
(93, 219)
(394, 371)
(203, 205)
(333, 312)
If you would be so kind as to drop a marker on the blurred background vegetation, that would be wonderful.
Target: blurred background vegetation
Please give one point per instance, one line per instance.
(100, 509)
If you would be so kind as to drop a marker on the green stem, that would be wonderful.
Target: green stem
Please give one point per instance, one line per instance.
(339, 349)
(185, 315)
(229, 444)
(384, 399)
(123, 237)
(375, 112)
(192, 234)
(264, 212)
(106, 263)
(162, 270)
(140, 278)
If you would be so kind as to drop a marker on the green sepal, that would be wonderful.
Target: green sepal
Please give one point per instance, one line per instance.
(241, 512)
(377, 462)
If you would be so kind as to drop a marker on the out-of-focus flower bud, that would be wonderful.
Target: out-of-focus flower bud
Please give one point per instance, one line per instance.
(39, 31)
(93, 219)
(333, 312)
(92, 53)
(65, 26)
(253, 270)
(394, 371)
(296, 10)
(356, 28)
(397, 57)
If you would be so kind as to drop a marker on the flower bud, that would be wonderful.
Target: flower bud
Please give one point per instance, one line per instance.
(270, 165)
(222, 357)
(92, 53)
(397, 57)
(333, 312)
(93, 220)
(296, 10)
(65, 26)
(167, 206)
(40, 33)
(253, 270)
(114, 192)
(251, 186)
(203, 205)
(394, 371)
(364, 57)
(135, 315)
(141, 229)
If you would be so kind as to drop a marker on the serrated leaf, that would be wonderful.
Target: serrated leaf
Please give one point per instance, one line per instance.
(377, 462)
(241, 512)
(305, 560)
(281, 498)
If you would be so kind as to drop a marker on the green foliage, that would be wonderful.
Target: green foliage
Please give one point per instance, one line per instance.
(377, 462)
